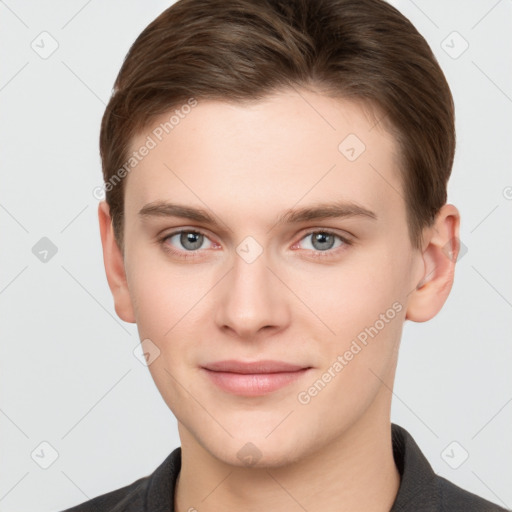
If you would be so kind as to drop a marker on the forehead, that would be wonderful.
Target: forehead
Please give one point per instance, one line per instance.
(292, 147)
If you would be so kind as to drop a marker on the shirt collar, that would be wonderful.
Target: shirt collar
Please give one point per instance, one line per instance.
(418, 489)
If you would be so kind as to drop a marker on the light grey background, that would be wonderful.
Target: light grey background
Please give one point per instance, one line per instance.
(68, 373)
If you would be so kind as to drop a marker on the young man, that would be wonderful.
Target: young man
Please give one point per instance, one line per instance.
(275, 176)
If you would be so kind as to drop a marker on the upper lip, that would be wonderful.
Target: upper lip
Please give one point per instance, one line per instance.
(266, 366)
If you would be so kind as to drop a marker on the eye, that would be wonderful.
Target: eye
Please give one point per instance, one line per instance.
(181, 242)
(188, 243)
(322, 241)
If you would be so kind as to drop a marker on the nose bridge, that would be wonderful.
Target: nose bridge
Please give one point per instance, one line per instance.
(251, 299)
(250, 277)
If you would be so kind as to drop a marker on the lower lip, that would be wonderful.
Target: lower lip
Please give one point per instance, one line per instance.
(253, 384)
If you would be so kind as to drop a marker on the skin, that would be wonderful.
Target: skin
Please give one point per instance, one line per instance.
(246, 165)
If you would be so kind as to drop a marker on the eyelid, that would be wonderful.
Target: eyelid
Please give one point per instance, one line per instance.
(330, 231)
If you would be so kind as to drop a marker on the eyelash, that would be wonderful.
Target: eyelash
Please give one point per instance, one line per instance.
(192, 254)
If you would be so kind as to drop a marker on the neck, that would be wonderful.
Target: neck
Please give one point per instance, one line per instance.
(355, 472)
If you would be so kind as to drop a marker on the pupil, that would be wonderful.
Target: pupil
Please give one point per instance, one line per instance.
(191, 240)
(322, 238)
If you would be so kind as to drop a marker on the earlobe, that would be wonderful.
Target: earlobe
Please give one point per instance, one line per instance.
(439, 259)
(114, 266)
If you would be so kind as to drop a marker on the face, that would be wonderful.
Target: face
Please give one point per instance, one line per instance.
(297, 253)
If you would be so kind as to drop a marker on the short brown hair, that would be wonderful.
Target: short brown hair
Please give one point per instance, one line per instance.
(243, 50)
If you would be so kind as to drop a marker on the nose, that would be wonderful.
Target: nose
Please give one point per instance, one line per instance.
(252, 299)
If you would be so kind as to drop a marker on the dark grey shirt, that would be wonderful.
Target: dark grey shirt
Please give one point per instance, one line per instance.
(421, 490)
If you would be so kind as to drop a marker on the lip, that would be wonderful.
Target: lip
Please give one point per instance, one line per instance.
(255, 378)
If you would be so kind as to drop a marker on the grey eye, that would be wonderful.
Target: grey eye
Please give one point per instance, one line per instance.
(188, 240)
(322, 241)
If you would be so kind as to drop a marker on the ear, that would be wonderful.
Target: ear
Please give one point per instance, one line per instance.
(439, 258)
(114, 266)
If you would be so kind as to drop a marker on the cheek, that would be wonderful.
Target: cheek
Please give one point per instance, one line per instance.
(162, 292)
(364, 307)
(362, 353)
(351, 296)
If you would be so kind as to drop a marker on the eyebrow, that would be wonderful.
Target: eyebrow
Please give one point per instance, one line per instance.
(338, 210)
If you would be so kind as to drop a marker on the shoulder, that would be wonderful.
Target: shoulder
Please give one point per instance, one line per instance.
(125, 499)
(454, 498)
(152, 493)
(421, 489)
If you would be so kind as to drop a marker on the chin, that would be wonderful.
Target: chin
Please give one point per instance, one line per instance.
(258, 452)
